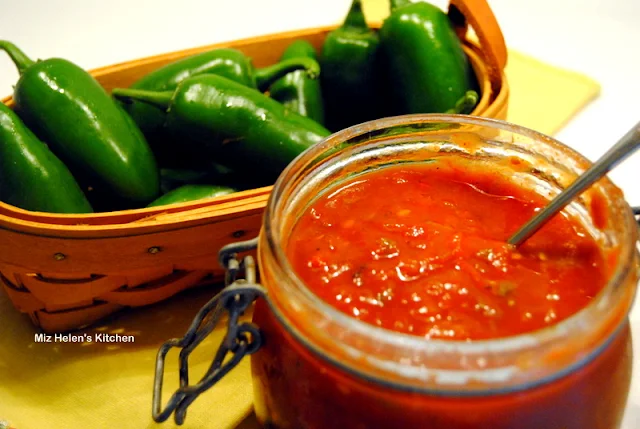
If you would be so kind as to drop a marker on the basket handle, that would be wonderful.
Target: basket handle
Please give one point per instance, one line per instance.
(479, 15)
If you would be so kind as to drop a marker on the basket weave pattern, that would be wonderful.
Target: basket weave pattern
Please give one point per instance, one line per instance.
(62, 303)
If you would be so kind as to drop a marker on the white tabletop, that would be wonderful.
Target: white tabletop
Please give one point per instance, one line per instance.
(597, 37)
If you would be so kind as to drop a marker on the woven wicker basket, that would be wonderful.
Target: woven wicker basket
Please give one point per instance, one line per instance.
(68, 271)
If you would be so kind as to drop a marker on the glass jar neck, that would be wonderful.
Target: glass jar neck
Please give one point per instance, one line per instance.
(442, 366)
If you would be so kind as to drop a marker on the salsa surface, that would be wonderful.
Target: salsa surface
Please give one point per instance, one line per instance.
(421, 249)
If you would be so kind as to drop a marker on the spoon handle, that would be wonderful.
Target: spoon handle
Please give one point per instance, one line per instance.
(618, 152)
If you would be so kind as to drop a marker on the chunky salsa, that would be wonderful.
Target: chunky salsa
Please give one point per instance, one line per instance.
(422, 250)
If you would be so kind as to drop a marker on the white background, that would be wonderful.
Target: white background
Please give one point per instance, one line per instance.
(600, 38)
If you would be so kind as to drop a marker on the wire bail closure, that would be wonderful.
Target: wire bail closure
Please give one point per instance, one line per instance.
(241, 339)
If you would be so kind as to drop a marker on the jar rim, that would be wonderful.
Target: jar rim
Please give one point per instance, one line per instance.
(495, 345)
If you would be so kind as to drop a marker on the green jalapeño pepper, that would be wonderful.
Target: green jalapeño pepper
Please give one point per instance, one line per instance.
(69, 110)
(349, 77)
(297, 91)
(172, 178)
(31, 177)
(239, 125)
(191, 193)
(226, 62)
(423, 58)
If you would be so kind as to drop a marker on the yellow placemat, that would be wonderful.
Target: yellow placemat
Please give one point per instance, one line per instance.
(108, 385)
(544, 97)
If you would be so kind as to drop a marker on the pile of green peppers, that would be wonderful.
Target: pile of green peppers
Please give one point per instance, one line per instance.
(212, 124)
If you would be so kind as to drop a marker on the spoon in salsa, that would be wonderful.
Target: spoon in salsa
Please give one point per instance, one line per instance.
(628, 144)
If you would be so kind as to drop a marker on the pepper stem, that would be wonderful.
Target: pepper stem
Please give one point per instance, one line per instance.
(160, 99)
(267, 75)
(20, 59)
(396, 4)
(466, 103)
(355, 18)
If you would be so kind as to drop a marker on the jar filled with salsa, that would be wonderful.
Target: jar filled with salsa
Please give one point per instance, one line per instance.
(395, 302)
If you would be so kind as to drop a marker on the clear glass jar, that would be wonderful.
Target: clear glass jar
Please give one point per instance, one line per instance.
(319, 368)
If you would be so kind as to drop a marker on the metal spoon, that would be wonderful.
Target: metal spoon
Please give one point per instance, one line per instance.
(618, 152)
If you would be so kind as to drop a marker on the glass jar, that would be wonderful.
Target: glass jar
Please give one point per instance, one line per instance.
(320, 368)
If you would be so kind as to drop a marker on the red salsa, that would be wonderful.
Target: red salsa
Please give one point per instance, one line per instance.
(422, 250)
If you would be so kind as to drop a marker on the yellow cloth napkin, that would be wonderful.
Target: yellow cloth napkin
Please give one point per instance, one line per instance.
(544, 97)
(96, 385)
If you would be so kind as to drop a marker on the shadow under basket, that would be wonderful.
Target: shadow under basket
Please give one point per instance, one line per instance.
(69, 271)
